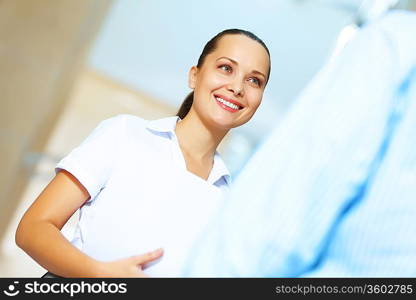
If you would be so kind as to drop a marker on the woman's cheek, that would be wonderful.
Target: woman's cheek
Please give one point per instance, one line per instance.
(218, 80)
(255, 99)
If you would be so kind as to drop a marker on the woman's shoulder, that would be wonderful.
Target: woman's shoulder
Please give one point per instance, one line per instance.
(136, 127)
(125, 121)
(120, 127)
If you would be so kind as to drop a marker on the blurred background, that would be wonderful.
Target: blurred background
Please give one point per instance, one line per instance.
(65, 65)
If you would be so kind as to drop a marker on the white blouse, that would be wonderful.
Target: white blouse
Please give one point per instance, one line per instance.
(142, 196)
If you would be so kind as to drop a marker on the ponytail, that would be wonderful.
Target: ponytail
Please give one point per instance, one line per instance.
(186, 106)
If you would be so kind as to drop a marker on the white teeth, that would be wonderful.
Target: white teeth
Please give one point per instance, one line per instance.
(229, 104)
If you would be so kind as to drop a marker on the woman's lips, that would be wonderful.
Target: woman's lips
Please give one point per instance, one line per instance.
(227, 103)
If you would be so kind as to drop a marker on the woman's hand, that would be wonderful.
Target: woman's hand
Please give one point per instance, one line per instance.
(129, 267)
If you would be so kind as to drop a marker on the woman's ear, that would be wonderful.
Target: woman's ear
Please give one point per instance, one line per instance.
(192, 77)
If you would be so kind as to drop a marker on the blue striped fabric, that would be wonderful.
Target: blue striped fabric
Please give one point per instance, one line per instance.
(332, 190)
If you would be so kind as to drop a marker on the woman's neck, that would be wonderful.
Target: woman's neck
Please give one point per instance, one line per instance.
(196, 139)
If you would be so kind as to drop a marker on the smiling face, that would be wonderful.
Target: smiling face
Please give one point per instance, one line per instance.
(229, 85)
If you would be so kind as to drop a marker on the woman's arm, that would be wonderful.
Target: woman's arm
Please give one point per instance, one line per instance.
(39, 235)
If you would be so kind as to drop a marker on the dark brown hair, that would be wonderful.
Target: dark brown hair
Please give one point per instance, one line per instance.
(209, 48)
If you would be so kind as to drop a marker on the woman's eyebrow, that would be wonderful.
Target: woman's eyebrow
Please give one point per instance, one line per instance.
(258, 73)
(230, 59)
(235, 62)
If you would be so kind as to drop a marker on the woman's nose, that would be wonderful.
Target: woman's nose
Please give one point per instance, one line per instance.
(236, 87)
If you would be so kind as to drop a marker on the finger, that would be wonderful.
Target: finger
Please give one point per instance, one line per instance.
(143, 275)
(148, 257)
(140, 273)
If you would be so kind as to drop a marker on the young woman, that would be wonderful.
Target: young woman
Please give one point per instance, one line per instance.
(141, 185)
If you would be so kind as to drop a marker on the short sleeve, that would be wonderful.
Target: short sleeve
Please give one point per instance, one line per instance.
(92, 162)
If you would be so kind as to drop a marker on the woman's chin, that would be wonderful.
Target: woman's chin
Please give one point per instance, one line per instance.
(226, 123)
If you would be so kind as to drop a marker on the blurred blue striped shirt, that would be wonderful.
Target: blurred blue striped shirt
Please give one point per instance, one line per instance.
(332, 190)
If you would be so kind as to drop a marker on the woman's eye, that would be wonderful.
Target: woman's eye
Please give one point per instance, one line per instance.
(226, 68)
(254, 80)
